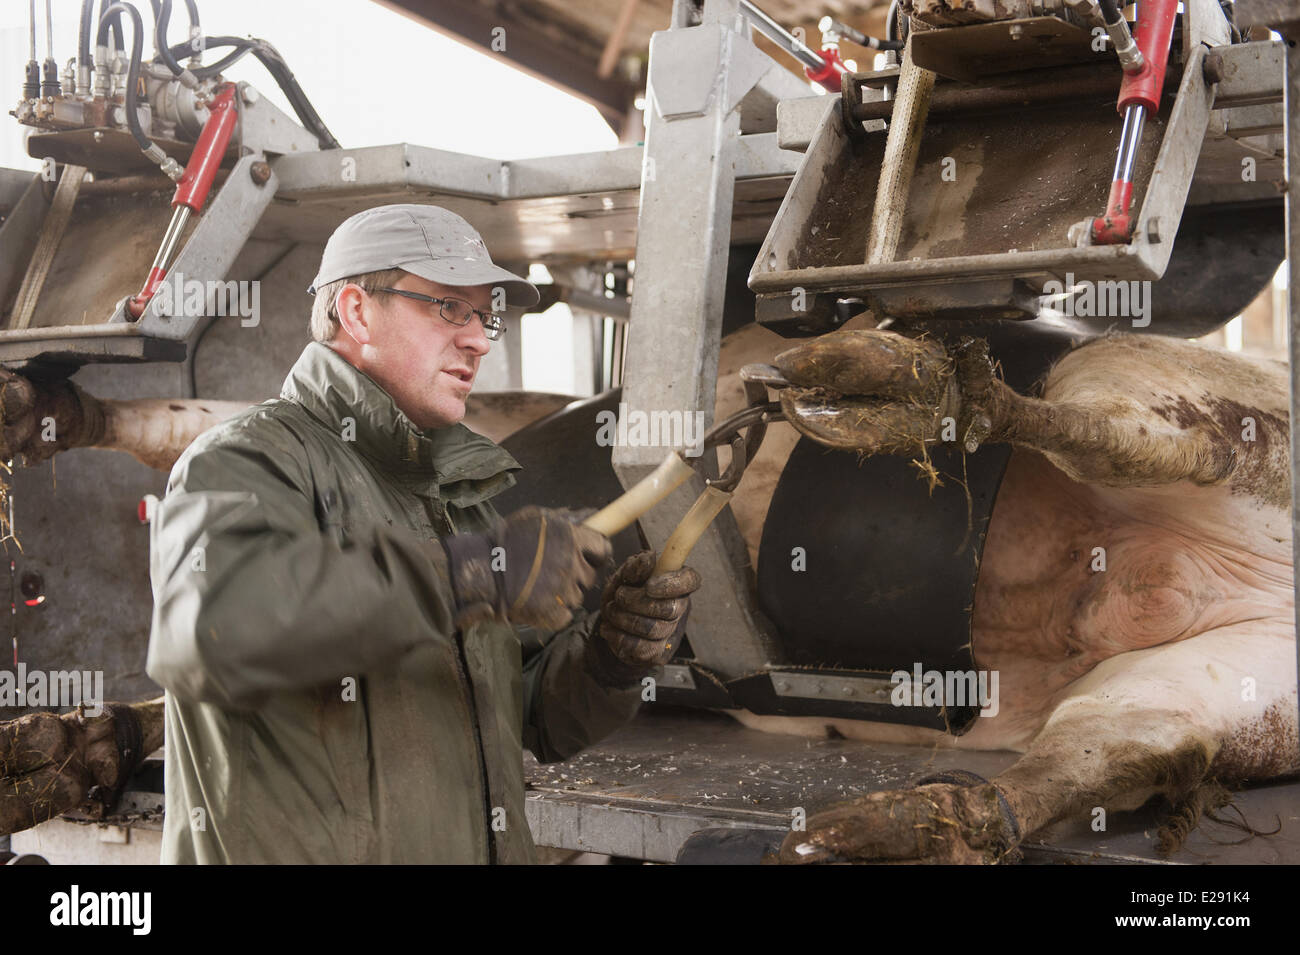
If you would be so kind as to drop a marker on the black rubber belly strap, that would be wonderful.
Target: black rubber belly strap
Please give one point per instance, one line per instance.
(964, 777)
(130, 746)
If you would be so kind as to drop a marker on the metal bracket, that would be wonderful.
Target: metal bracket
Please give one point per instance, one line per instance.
(216, 241)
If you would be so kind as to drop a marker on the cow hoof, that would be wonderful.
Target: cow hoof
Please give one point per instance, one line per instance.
(52, 764)
(872, 391)
(940, 823)
(17, 413)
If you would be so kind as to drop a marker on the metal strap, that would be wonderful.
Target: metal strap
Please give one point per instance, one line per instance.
(56, 223)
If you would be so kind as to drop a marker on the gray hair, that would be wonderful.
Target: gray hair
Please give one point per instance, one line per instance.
(324, 313)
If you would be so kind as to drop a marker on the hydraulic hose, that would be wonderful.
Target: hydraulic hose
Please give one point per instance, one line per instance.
(84, 63)
(188, 79)
(104, 6)
(242, 46)
(275, 64)
(133, 70)
(32, 78)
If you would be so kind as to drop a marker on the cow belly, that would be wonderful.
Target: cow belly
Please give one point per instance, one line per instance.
(1074, 575)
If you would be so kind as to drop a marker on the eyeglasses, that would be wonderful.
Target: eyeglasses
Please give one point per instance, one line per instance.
(457, 312)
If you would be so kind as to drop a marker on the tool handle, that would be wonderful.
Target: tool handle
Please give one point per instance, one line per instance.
(643, 496)
(697, 520)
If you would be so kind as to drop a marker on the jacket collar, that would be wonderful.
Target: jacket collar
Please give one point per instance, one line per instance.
(453, 463)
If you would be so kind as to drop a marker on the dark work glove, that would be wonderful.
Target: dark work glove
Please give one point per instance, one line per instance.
(641, 618)
(529, 569)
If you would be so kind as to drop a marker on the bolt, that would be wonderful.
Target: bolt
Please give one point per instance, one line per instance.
(260, 172)
(782, 685)
(98, 136)
(1079, 235)
(848, 691)
(249, 94)
(1212, 68)
(680, 678)
(1017, 31)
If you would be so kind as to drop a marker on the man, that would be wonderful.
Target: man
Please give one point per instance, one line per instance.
(336, 601)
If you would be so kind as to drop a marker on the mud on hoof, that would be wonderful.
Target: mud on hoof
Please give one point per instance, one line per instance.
(883, 393)
(52, 764)
(949, 821)
(25, 404)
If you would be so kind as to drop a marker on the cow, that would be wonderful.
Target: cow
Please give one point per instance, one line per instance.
(1173, 672)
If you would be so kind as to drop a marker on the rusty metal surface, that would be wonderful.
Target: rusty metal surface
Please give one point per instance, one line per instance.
(104, 256)
(997, 201)
(1077, 84)
(114, 151)
(669, 769)
(968, 52)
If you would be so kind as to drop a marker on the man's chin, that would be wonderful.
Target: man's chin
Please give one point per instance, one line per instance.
(446, 413)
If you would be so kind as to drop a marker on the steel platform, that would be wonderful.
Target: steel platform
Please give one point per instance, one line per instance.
(671, 772)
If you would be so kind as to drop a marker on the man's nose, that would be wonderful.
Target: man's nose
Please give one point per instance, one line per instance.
(472, 337)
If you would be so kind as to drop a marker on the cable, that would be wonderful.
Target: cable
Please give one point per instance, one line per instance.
(51, 86)
(829, 24)
(32, 78)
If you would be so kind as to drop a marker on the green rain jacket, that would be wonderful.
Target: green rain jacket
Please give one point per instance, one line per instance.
(321, 706)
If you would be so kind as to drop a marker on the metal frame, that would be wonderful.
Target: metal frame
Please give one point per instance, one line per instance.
(226, 224)
(1284, 17)
(1145, 258)
(698, 77)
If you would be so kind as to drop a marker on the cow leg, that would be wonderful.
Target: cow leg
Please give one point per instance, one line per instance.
(1108, 416)
(50, 764)
(40, 418)
(1221, 705)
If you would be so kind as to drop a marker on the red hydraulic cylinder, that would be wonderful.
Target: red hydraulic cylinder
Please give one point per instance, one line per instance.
(1155, 30)
(1139, 94)
(192, 189)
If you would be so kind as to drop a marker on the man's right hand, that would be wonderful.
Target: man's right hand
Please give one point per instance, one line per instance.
(530, 569)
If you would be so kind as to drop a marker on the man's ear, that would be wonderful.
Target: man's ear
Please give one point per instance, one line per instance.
(356, 311)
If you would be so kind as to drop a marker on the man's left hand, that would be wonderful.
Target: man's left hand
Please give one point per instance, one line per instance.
(642, 616)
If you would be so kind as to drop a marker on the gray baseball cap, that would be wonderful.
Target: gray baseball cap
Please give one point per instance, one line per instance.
(427, 241)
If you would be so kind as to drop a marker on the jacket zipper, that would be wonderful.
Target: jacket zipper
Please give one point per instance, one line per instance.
(462, 668)
(467, 686)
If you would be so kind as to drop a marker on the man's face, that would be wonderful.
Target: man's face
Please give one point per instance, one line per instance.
(426, 364)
